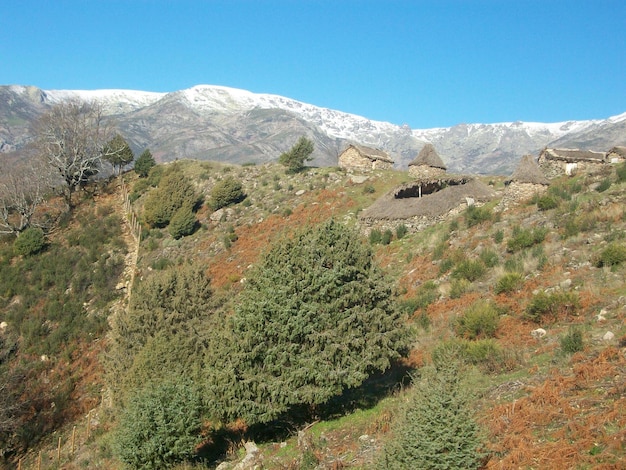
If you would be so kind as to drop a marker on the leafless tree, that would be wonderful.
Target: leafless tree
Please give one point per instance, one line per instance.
(71, 139)
(23, 188)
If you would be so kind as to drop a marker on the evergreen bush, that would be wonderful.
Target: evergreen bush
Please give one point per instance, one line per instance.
(226, 193)
(174, 191)
(551, 304)
(475, 215)
(160, 426)
(470, 270)
(183, 222)
(572, 342)
(144, 163)
(437, 428)
(31, 241)
(314, 318)
(612, 255)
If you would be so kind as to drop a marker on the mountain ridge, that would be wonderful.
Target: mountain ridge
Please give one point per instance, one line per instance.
(239, 126)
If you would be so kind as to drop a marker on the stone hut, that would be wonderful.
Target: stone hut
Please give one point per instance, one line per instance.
(359, 157)
(557, 162)
(526, 181)
(427, 164)
(616, 155)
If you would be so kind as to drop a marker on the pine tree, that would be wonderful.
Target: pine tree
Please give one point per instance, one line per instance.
(144, 163)
(118, 153)
(298, 154)
(314, 318)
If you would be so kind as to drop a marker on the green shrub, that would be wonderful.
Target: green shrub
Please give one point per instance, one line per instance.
(620, 171)
(401, 231)
(572, 342)
(551, 304)
(525, 238)
(480, 320)
(376, 236)
(386, 237)
(612, 255)
(475, 215)
(498, 236)
(604, 185)
(369, 189)
(31, 241)
(183, 222)
(469, 270)
(489, 257)
(425, 295)
(508, 282)
(226, 193)
(458, 287)
(547, 202)
(160, 425)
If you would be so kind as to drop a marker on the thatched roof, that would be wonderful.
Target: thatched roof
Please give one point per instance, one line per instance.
(372, 154)
(529, 172)
(428, 156)
(573, 155)
(454, 193)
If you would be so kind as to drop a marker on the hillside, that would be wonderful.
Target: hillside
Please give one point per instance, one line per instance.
(477, 285)
(236, 126)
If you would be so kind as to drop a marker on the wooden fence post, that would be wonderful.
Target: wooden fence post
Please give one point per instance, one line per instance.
(73, 439)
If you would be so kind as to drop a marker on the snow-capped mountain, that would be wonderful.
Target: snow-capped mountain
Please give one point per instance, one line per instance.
(227, 124)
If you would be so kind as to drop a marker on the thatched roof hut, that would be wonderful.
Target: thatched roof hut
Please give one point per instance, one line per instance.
(427, 164)
(528, 171)
(425, 202)
(361, 157)
(428, 156)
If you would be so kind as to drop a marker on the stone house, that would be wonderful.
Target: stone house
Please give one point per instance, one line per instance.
(427, 164)
(359, 157)
(526, 181)
(616, 155)
(557, 162)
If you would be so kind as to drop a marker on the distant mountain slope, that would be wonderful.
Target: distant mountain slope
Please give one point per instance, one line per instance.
(227, 124)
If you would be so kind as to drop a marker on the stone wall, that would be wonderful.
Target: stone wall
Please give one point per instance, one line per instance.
(352, 159)
(554, 168)
(517, 192)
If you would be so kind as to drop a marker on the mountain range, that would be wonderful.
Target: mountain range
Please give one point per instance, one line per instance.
(237, 126)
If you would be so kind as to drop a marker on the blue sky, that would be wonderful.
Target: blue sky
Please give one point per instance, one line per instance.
(429, 63)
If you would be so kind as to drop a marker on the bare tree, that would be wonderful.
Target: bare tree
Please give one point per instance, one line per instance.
(71, 138)
(23, 188)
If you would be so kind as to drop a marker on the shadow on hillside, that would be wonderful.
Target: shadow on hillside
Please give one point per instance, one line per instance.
(366, 396)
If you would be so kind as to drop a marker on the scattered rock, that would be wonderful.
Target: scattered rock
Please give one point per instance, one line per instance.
(566, 284)
(538, 333)
(300, 192)
(608, 336)
(358, 179)
(3, 326)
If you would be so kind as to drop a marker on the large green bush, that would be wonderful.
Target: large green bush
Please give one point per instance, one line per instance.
(160, 425)
(552, 304)
(226, 193)
(30, 242)
(437, 428)
(314, 318)
(183, 222)
(174, 191)
(525, 238)
(144, 163)
(612, 255)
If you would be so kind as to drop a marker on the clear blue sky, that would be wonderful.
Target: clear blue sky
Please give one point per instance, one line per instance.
(424, 63)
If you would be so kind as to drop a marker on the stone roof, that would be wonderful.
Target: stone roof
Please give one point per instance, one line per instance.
(428, 156)
(372, 154)
(528, 171)
(573, 155)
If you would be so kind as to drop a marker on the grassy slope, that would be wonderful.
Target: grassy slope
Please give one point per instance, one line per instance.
(540, 407)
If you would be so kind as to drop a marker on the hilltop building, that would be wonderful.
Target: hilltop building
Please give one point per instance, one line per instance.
(359, 157)
(557, 162)
(526, 181)
(427, 164)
